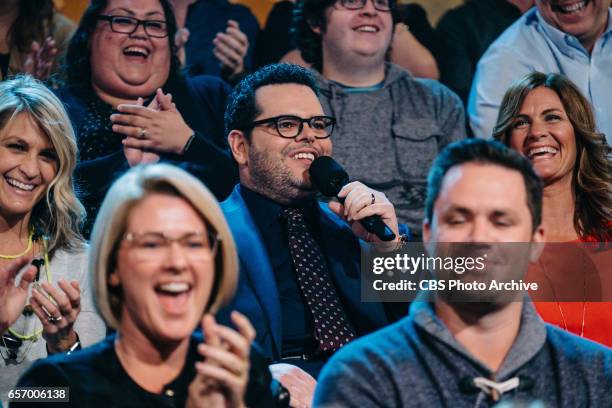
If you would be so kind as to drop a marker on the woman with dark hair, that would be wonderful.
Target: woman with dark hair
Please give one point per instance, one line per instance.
(547, 119)
(33, 37)
(130, 104)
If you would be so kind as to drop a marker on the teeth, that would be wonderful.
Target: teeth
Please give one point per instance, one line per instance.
(543, 149)
(308, 156)
(367, 29)
(174, 287)
(20, 185)
(137, 50)
(572, 7)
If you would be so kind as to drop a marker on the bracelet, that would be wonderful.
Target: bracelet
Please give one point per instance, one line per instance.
(188, 144)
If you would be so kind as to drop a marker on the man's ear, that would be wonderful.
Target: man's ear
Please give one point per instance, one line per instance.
(538, 243)
(239, 145)
(315, 26)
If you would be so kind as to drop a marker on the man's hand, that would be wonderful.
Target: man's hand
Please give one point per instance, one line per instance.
(230, 49)
(13, 298)
(299, 383)
(360, 202)
(39, 60)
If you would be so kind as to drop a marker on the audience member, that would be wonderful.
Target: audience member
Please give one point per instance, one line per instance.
(464, 34)
(162, 262)
(547, 119)
(40, 219)
(220, 37)
(405, 50)
(557, 36)
(466, 354)
(33, 38)
(390, 124)
(129, 103)
(303, 311)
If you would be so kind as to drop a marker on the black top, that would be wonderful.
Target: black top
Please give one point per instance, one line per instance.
(96, 378)
(201, 101)
(464, 34)
(274, 40)
(297, 322)
(4, 63)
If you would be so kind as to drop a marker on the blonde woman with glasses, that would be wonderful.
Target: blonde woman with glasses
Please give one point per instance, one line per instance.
(39, 221)
(162, 262)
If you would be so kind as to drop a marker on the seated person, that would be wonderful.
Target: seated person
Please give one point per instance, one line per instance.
(33, 38)
(40, 219)
(390, 125)
(216, 37)
(546, 118)
(473, 352)
(568, 38)
(130, 104)
(162, 262)
(276, 128)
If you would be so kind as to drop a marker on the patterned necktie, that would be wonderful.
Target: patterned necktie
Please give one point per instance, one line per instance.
(332, 328)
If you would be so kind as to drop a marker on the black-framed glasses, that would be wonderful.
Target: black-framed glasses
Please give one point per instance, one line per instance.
(129, 25)
(290, 127)
(198, 246)
(380, 5)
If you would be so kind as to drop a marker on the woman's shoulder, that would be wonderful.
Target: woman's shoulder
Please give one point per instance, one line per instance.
(70, 263)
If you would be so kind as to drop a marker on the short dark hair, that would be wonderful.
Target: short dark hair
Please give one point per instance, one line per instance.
(77, 69)
(484, 152)
(242, 107)
(311, 13)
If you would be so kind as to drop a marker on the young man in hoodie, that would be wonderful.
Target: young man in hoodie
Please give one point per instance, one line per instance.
(390, 125)
(474, 354)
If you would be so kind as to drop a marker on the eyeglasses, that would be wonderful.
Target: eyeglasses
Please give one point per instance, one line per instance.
(129, 25)
(151, 246)
(290, 127)
(380, 5)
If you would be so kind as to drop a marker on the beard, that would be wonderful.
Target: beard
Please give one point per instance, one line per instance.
(272, 178)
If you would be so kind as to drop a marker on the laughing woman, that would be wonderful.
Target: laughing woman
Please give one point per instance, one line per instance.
(39, 219)
(163, 261)
(546, 118)
(130, 104)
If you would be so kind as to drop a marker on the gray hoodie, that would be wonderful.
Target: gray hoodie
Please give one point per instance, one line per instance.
(388, 138)
(418, 363)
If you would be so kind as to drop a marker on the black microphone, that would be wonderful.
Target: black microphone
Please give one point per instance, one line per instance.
(329, 177)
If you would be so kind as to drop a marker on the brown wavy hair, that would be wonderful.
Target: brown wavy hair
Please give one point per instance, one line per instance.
(593, 172)
(32, 23)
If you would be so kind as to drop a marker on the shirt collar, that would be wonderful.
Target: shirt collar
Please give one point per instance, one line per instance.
(566, 43)
(530, 339)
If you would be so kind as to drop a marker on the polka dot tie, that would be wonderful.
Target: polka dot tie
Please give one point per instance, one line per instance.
(332, 328)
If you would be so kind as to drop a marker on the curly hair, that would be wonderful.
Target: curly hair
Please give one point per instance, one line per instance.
(59, 217)
(77, 67)
(32, 24)
(311, 13)
(593, 173)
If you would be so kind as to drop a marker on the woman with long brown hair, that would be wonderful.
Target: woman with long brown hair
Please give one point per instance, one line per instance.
(545, 117)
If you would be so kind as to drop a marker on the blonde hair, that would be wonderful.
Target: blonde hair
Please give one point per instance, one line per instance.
(110, 227)
(593, 167)
(60, 215)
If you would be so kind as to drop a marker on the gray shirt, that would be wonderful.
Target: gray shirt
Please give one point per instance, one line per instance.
(89, 326)
(388, 138)
(418, 363)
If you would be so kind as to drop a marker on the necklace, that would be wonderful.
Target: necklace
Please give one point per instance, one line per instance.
(565, 326)
(25, 251)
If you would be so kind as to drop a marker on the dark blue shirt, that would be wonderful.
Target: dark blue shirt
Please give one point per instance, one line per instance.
(205, 19)
(297, 322)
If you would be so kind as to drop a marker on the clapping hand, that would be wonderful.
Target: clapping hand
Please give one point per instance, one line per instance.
(230, 49)
(222, 377)
(39, 60)
(13, 298)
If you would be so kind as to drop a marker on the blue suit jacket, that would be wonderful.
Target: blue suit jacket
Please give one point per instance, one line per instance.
(257, 294)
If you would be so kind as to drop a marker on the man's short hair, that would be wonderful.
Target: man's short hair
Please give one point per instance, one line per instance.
(311, 13)
(242, 106)
(484, 152)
